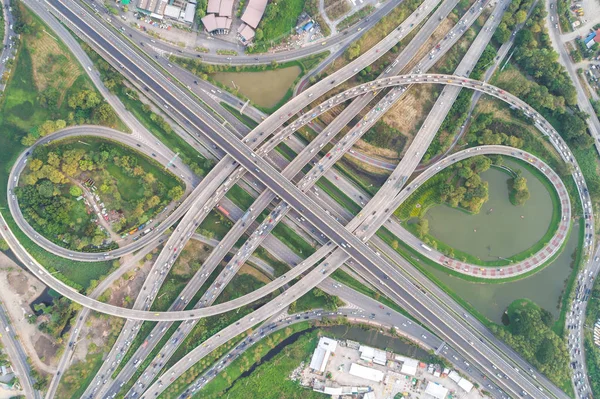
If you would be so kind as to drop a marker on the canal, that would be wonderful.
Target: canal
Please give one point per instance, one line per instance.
(374, 338)
(500, 229)
(263, 88)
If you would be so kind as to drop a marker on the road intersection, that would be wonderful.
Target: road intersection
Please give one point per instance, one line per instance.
(365, 259)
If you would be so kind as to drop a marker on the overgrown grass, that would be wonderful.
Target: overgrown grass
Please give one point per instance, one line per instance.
(266, 380)
(78, 376)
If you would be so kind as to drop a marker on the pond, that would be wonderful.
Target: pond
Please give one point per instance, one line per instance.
(544, 288)
(500, 229)
(264, 88)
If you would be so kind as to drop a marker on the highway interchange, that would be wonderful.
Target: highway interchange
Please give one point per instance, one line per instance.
(369, 262)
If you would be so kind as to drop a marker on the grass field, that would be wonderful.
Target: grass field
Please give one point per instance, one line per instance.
(20, 112)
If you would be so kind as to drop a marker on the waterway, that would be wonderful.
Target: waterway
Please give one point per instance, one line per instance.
(544, 288)
(500, 229)
(264, 88)
(375, 339)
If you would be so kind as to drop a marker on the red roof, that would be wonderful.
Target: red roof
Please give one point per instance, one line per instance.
(597, 37)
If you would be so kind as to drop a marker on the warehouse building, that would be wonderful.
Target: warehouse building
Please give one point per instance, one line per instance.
(436, 390)
(325, 347)
(367, 373)
(181, 11)
(372, 355)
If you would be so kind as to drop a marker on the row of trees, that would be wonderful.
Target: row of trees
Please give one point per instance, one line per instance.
(514, 15)
(548, 87)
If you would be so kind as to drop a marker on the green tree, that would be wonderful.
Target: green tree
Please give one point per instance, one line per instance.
(75, 191)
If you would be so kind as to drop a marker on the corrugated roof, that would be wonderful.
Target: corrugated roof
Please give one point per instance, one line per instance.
(465, 384)
(318, 359)
(247, 33)
(213, 6)
(254, 12)
(221, 22)
(209, 22)
(366, 372)
(436, 390)
(226, 8)
(190, 12)
(172, 11)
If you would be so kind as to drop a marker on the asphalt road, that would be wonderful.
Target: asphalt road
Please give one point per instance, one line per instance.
(332, 44)
(274, 181)
(17, 356)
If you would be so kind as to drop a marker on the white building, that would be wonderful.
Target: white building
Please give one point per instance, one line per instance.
(325, 347)
(373, 355)
(465, 384)
(436, 391)
(366, 372)
(409, 365)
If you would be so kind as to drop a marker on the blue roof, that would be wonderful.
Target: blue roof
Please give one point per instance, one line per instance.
(308, 26)
(589, 37)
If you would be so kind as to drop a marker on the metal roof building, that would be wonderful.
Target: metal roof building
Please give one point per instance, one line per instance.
(366, 372)
(213, 6)
(246, 33)
(465, 384)
(409, 366)
(436, 391)
(254, 12)
(374, 355)
(325, 347)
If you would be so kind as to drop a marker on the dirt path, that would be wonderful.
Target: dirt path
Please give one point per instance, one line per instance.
(17, 290)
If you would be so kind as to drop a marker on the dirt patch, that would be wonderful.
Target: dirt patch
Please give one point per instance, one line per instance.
(45, 347)
(18, 282)
(18, 289)
(260, 276)
(124, 291)
(99, 333)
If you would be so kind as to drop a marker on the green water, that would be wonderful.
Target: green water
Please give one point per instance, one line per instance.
(500, 229)
(544, 288)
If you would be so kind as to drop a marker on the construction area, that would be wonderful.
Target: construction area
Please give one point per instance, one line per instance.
(347, 369)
